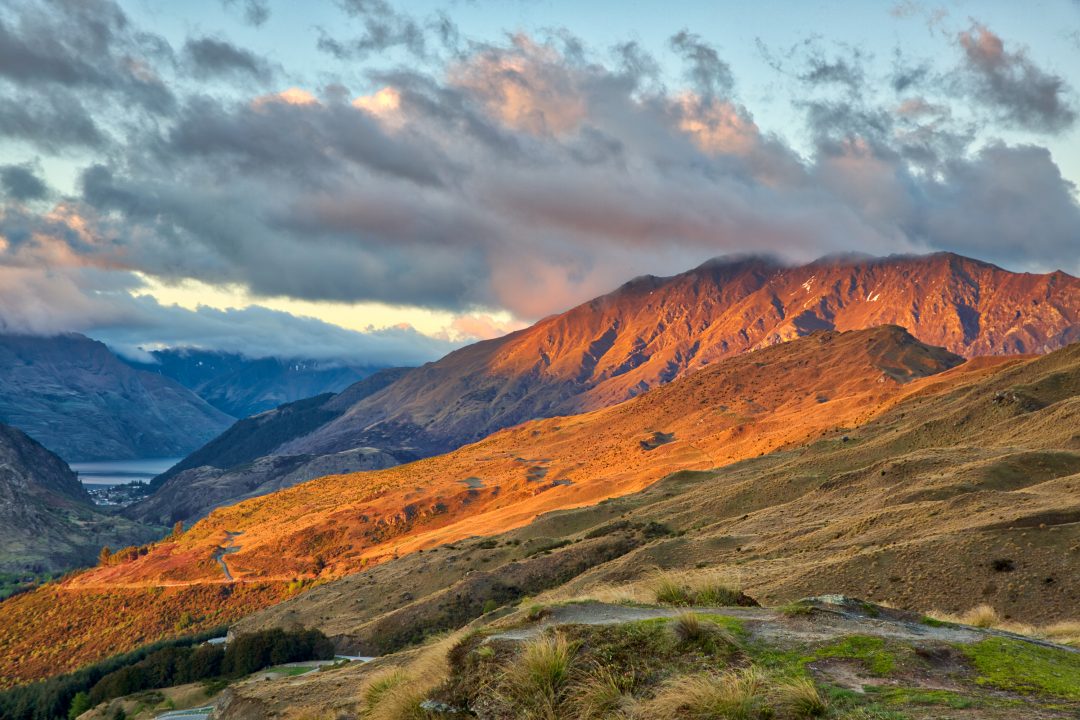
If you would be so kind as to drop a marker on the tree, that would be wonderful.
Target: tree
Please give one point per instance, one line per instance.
(178, 529)
(104, 556)
(79, 704)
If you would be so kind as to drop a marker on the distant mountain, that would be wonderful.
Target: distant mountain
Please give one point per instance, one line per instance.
(239, 462)
(653, 330)
(242, 386)
(77, 398)
(47, 520)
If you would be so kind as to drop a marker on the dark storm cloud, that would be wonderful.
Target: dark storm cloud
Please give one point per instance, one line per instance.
(709, 74)
(255, 12)
(311, 140)
(53, 120)
(20, 182)
(82, 44)
(1022, 94)
(210, 56)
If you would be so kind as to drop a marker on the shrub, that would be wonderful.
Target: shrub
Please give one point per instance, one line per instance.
(79, 704)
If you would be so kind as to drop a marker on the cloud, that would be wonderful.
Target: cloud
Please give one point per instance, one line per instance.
(255, 12)
(383, 28)
(209, 57)
(710, 75)
(82, 44)
(21, 183)
(1022, 94)
(52, 120)
(496, 181)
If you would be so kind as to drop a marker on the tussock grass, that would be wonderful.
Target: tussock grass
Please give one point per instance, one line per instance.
(535, 684)
(799, 698)
(984, 616)
(981, 616)
(1064, 633)
(708, 589)
(603, 695)
(397, 693)
(734, 695)
(678, 588)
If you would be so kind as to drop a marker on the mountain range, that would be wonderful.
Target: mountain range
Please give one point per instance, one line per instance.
(241, 386)
(645, 334)
(77, 398)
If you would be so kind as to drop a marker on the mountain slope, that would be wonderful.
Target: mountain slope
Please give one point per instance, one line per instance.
(241, 386)
(731, 410)
(77, 398)
(239, 463)
(47, 520)
(653, 330)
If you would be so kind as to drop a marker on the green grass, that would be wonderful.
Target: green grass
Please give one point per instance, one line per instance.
(872, 651)
(903, 697)
(795, 609)
(289, 671)
(735, 626)
(1025, 667)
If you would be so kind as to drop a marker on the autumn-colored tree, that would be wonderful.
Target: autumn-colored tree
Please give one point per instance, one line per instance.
(178, 529)
(104, 556)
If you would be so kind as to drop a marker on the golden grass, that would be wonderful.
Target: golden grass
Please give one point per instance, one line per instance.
(397, 693)
(535, 684)
(678, 588)
(1065, 633)
(603, 695)
(734, 695)
(983, 616)
(799, 698)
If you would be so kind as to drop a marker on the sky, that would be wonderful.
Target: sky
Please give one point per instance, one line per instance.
(381, 182)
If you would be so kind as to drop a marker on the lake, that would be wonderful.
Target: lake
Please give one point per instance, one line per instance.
(116, 472)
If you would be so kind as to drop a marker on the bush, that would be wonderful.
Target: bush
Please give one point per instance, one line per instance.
(79, 704)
